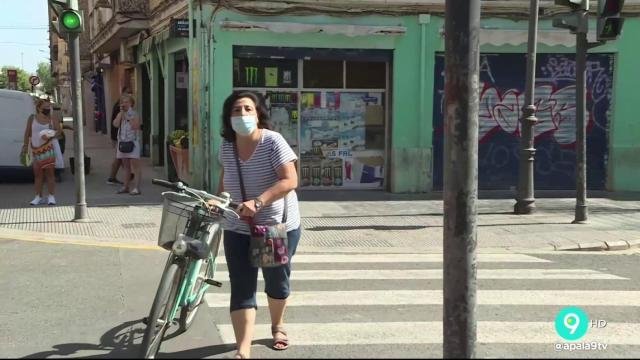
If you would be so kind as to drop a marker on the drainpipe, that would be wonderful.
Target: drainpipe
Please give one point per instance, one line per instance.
(423, 20)
(189, 94)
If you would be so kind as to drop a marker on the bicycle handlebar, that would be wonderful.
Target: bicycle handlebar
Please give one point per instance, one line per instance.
(226, 203)
(165, 183)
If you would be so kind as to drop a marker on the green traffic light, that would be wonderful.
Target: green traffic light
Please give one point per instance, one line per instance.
(71, 20)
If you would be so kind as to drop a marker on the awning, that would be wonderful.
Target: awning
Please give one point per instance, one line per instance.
(515, 37)
(299, 28)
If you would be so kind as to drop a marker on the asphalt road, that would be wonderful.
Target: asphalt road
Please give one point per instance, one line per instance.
(74, 301)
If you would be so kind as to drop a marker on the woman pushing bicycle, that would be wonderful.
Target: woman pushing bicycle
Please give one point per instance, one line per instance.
(258, 166)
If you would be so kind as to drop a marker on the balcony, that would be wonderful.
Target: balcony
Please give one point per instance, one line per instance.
(115, 22)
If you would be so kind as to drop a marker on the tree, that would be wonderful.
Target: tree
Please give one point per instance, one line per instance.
(23, 79)
(44, 73)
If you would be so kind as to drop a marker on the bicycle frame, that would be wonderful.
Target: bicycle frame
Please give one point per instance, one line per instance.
(186, 287)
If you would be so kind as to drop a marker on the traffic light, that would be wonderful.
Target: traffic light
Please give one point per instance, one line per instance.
(609, 20)
(69, 18)
(575, 20)
(574, 4)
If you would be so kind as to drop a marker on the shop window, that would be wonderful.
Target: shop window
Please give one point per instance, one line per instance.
(366, 75)
(342, 139)
(326, 74)
(265, 73)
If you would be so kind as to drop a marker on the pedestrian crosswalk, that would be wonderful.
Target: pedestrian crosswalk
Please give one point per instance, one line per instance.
(345, 301)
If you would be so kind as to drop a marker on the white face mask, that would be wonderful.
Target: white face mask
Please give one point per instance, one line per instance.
(244, 125)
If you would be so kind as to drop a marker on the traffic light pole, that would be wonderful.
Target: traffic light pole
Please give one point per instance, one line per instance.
(462, 63)
(581, 131)
(78, 138)
(525, 200)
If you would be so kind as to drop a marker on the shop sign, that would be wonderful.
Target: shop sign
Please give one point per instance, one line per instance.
(180, 28)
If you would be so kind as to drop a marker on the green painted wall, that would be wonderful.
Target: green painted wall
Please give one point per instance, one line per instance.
(624, 148)
(412, 87)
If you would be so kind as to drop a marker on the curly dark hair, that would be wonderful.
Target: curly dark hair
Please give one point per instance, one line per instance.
(261, 108)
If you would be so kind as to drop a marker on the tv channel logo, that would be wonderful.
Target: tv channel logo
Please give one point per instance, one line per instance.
(572, 323)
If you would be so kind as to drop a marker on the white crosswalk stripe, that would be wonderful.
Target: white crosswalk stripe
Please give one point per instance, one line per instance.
(431, 333)
(403, 258)
(434, 297)
(368, 285)
(530, 274)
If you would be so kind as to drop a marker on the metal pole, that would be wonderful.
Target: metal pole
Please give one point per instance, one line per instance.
(525, 200)
(78, 140)
(462, 62)
(581, 131)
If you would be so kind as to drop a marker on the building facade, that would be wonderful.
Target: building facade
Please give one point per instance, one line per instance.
(359, 97)
(115, 27)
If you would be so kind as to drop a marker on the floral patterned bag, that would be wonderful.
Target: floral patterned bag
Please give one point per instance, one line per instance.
(269, 244)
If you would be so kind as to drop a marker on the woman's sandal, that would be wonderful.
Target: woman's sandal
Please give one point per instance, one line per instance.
(282, 341)
(123, 191)
(239, 355)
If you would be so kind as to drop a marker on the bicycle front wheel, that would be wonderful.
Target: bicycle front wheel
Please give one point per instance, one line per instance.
(158, 321)
(188, 313)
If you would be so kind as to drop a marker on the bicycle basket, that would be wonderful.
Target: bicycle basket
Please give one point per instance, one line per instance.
(177, 215)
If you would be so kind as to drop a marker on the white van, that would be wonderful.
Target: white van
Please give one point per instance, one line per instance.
(15, 108)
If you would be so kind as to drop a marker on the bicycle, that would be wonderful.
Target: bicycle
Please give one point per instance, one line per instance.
(191, 230)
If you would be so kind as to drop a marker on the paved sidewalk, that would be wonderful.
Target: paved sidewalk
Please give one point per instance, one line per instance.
(340, 221)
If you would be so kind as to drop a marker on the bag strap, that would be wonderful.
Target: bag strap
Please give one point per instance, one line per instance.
(244, 194)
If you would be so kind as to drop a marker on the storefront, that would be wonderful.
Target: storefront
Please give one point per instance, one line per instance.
(329, 104)
(163, 66)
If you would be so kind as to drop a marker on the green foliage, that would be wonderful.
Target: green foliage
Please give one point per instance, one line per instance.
(179, 138)
(23, 79)
(44, 73)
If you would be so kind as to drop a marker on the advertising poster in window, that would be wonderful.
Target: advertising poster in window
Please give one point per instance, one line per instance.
(334, 133)
(283, 113)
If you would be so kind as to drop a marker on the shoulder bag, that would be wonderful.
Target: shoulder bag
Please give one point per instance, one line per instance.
(124, 147)
(268, 246)
(44, 155)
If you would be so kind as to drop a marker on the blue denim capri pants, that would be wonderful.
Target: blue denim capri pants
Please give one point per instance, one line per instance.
(244, 277)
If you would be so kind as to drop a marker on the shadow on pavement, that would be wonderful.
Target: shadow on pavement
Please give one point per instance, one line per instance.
(206, 351)
(123, 341)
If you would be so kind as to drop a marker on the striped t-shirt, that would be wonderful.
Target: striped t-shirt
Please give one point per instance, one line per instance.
(259, 174)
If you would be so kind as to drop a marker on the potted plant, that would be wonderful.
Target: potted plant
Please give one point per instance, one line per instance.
(179, 149)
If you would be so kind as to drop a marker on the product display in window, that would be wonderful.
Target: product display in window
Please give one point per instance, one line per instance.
(334, 131)
(283, 108)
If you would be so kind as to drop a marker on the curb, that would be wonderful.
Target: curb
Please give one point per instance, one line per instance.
(615, 245)
(66, 239)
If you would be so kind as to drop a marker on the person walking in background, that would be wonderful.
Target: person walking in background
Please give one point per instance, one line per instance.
(40, 135)
(116, 164)
(266, 163)
(128, 144)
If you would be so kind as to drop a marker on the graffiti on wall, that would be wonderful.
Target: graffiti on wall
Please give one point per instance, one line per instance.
(502, 81)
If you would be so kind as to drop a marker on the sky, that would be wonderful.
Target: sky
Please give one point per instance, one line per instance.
(24, 34)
